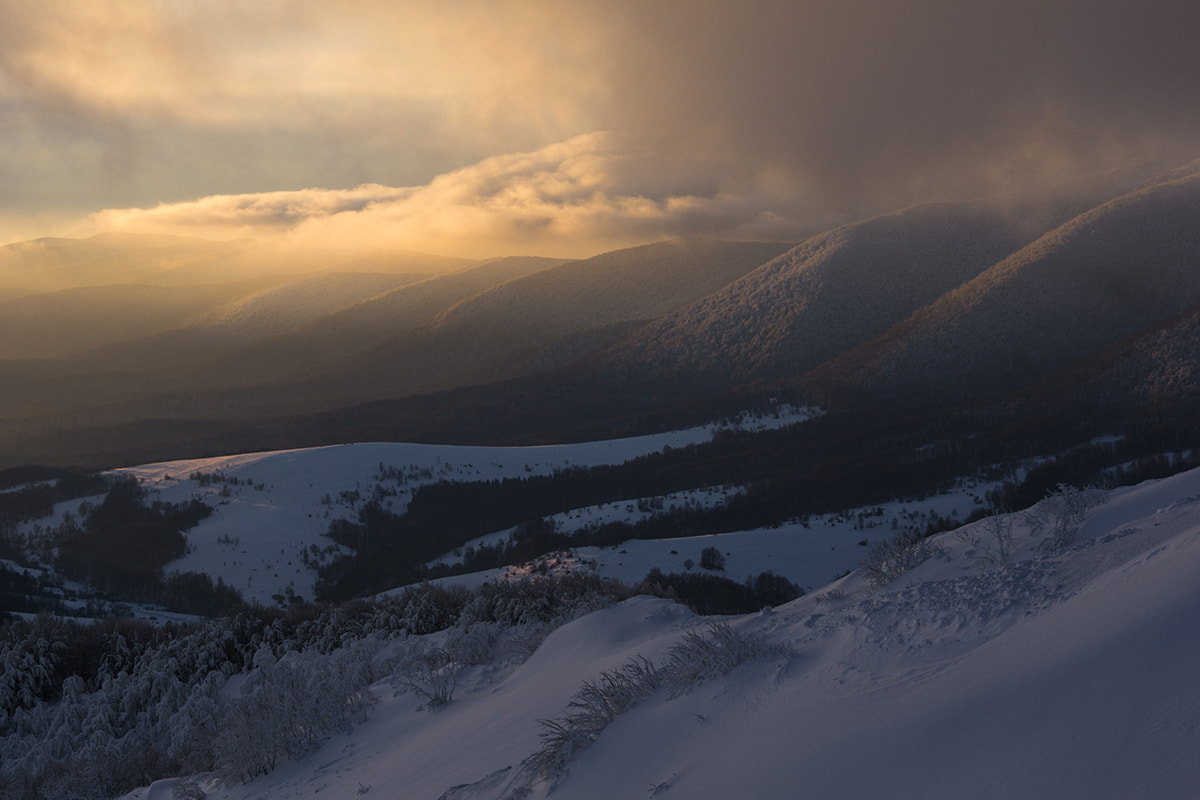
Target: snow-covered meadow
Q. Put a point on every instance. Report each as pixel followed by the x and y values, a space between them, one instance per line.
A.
pixel 271 509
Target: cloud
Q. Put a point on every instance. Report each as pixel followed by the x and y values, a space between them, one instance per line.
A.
pixel 104 105
pixel 810 111
pixel 570 199
pixel 269 212
pixel 869 103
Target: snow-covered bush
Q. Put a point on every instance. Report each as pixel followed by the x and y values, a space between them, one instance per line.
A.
pixel 26 667
pixel 287 706
pixel 430 607
pixel 698 656
pixel 92 711
pixel 1062 511
pixel 710 653
pixel 529 609
pixel 891 558
pixel 431 673
pixel 597 703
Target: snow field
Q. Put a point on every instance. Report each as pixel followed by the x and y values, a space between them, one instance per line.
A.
pixel 272 508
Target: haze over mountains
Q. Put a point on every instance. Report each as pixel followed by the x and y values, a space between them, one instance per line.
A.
pixel 930 305
pixel 825 295
pixel 1116 271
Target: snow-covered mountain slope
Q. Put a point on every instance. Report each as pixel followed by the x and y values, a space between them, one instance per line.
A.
pixel 1120 269
pixel 829 293
pixel 808 553
pixel 1061 665
pixel 1157 368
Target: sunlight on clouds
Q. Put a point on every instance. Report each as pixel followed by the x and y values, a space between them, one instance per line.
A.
pixel 563 200
pixel 741 117
pixel 488 67
pixel 90 54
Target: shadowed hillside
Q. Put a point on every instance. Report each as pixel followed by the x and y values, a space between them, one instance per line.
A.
pixel 345 334
pixel 1117 270
pixel 830 293
pixel 48 325
pixel 550 317
pixel 112 258
pixel 158 260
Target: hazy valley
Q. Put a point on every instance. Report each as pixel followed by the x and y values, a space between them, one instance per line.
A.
pixel 929 307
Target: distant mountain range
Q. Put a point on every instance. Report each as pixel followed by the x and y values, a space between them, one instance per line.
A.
pixel 1092 294
pixel 1117 271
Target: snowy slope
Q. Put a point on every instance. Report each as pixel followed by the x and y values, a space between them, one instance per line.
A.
pixel 809 553
pixel 272 507
pixel 1069 673
pixel 827 294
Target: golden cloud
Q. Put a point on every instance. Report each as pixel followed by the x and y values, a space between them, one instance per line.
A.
pixel 566 200
pixel 821 111
pixel 471 67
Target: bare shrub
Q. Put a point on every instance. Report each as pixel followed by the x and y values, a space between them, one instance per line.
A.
pixel 831 596
pixel 996 543
pixel 712 558
pixel 890 558
pixel 1063 511
pixel 597 703
pixel 698 656
pixel 432 673
pixel 187 789
pixel 707 654
pixel 474 643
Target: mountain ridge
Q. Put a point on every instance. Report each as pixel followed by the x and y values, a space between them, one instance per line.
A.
pixel 1110 273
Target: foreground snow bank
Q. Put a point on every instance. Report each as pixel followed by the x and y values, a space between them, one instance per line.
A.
pixel 1069 673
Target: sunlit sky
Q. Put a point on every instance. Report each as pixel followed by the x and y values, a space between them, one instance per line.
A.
pixel 488 127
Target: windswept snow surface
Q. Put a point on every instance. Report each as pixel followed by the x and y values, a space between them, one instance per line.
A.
pixel 1059 674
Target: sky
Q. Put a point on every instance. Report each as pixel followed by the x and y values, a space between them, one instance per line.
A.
pixel 494 127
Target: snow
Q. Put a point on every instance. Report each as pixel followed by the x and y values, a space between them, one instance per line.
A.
pixel 270 510
pixel 809 554
pixel 270 507
pixel 1069 673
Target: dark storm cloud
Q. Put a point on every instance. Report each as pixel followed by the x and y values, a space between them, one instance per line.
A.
pixel 866 101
